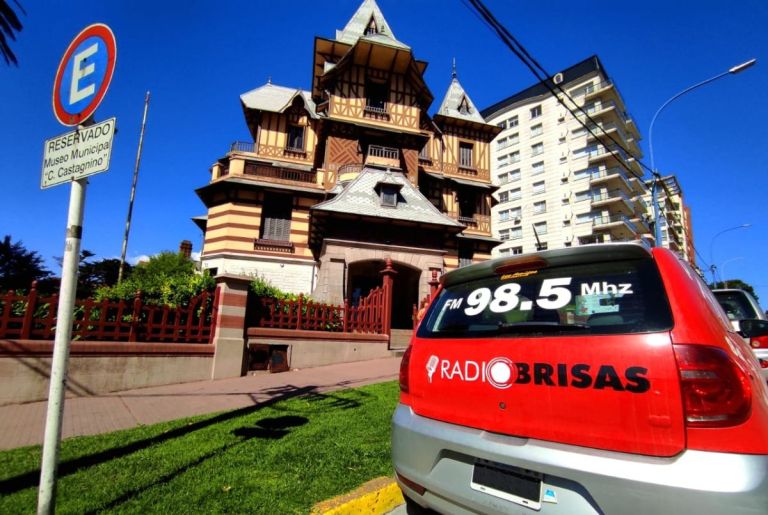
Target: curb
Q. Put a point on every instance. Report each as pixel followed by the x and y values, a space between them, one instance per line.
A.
pixel 379 495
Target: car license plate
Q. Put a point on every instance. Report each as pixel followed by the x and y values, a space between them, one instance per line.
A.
pixel 514 484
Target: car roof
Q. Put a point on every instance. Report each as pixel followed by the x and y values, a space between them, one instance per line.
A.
pixel 595 253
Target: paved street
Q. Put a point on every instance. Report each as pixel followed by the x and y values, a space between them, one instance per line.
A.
pixel 23 424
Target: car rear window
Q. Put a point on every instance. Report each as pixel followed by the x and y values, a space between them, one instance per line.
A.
pixel 736 305
pixel 596 298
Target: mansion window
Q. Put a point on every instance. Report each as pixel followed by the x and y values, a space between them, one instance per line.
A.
pixel 295 138
pixel 389 195
pixel 376 94
pixel 276 218
pixel 465 155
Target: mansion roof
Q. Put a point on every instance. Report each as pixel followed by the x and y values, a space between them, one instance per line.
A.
pixel 360 197
pixel 356 27
pixel 276 99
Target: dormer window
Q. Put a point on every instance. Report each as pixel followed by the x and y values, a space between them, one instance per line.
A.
pixel 371 28
pixel 389 195
pixel 464 106
pixel 389 190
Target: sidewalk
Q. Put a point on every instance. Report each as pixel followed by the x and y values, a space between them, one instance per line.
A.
pixel 24 424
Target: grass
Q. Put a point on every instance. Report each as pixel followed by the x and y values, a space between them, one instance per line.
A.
pixel 276 458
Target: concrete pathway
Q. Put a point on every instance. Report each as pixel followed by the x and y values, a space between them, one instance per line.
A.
pixel 24 424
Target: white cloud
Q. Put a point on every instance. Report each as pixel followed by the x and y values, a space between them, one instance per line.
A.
pixel 137 259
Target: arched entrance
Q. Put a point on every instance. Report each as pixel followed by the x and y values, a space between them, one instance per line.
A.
pixel 363 276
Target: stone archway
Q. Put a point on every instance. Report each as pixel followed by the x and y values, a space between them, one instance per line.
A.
pixel 363 276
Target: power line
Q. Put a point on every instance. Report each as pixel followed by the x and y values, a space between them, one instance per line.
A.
pixel 519 50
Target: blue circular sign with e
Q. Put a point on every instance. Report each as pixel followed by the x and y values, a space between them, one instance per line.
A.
pixel 84 74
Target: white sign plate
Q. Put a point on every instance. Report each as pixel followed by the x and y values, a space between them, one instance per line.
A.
pixel 77 154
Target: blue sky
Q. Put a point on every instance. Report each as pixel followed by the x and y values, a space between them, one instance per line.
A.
pixel 197 58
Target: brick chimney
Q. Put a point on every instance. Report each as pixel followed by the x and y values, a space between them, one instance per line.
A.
pixel 185 248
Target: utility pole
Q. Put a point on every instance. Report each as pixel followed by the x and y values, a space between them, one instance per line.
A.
pixel 133 190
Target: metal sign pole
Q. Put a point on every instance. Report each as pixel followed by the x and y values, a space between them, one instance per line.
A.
pixel 51 443
pixel 133 191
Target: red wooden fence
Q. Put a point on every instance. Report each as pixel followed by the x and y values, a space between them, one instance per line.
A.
pixel 33 317
pixel 372 315
pixel 305 314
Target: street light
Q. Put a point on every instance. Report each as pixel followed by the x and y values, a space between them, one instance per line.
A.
pixel 721 268
pixel 712 266
pixel 654 188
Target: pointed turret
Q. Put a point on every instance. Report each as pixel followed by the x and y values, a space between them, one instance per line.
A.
pixel 368 22
pixel 457 103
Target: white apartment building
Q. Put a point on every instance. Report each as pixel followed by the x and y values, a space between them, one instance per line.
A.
pixel 558 184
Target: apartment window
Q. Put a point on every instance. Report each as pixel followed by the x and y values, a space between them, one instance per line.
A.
pixel 502 160
pixel 585 218
pixel 514 157
pixel 504 234
pixel 583 195
pixel 539 207
pixel 503 252
pixel 535 112
pixel 465 154
pixel 502 125
pixel 580 131
pixel 504 196
pixel 514 175
pixel 538 188
pixel 512 122
pixel 515 194
pixel 566 223
pixel 276 218
pixel 537 149
pixel 516 250
pixel 543 246
pixel 515 233
pixel 376 94
pixel 504 215
pixel 537 130
pixel 503 178
pixel 515 213
pixel 584 174
pixel 537 168
pixel 295 138
pixel 541 228
pixel 514 139
pixel 502 143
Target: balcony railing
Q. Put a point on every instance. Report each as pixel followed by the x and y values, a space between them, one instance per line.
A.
pixel 611 195
pixel 279 173
pixel 598 86
pixel 602 221
pixel 599 176
pixel 383 152
pixel 243 146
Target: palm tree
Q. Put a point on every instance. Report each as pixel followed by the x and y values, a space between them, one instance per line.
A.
pixel 9 23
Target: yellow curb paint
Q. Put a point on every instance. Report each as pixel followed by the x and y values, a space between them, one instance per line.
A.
pixel 377 496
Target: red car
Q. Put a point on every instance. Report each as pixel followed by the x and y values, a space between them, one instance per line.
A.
pixel 595 379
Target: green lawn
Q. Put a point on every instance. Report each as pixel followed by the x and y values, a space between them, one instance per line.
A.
pixel 277 458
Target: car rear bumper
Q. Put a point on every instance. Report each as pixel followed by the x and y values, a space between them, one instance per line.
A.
pixel 440 457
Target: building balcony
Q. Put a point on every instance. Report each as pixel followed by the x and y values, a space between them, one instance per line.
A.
pixel 614 177
pixel 476 223
pixel 243 162
pixel 614 198
pixel 620 227
pixel 383 156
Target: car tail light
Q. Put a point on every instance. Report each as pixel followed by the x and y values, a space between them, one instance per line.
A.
pixel 413 485
pixel 763 362
pixel 716 391
pixel 404 375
